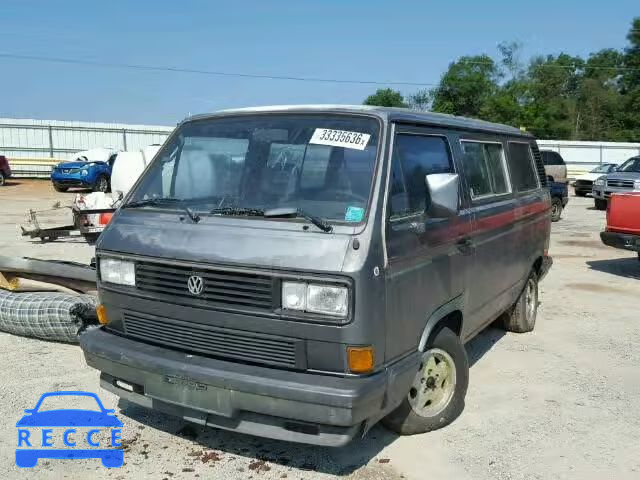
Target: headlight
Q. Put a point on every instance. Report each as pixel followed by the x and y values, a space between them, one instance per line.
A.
pixel 85 172
pixel 117 271
pixel 323 299
pixel 599 182
pixel 636 185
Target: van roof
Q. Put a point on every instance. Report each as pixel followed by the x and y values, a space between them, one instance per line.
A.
pixel 385 113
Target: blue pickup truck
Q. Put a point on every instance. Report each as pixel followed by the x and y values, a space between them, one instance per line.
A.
pixel 559 197
pixel 85 172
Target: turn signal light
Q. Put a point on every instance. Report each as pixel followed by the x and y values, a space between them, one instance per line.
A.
pixel 102 314
pixel 360 359
pixel 105 218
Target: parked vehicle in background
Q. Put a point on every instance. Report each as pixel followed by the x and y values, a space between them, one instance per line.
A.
pixel 583 184
pixel 284 272
pixel 559 197
pixel 5 170
pixel 623 222
pixel 554 165
pixel 626 178
pixel 90 170
pixel 129 166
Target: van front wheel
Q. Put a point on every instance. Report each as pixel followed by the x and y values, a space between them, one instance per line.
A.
pixel 436 396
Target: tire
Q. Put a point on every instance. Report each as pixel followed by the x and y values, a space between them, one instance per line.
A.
pixel 102 184
pixel 556 209
pixel 600 204
pixel 3 179
pixel 91 238
pixel 444 354
pixel 59 188
pixel 521 317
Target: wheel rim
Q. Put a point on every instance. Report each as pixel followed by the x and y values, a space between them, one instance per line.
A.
pixel 102 185
pixel 531 299
pixel 434 385
pixel 554 209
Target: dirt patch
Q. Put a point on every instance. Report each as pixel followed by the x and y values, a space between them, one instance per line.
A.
pixel 596 288
pixel 259 466
pixel 583 243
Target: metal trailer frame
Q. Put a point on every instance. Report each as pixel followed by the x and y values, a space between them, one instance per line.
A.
pixel 90 233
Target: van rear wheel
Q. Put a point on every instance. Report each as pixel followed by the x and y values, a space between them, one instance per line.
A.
pixel 436 396
pixel 556 209
pixel 521 317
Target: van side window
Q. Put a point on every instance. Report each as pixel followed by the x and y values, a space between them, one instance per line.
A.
pixel 551 158
pixel 414 157
pixel 484 169
pixel 523 173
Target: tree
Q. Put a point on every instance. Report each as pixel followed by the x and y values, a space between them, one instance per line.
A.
pixel 421 100
pixel 467 86
pixel 553 96
pixel 599 98
pixel 630 82
pixel 386 97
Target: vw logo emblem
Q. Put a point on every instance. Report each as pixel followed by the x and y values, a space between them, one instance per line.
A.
pixel 195 284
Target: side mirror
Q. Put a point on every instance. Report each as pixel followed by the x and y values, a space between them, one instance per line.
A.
pixel 443 192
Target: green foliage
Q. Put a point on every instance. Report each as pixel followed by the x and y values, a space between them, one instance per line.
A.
pixel 553 96
pixel 386 97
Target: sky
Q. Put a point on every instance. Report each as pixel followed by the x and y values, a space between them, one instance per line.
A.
pixel 372 40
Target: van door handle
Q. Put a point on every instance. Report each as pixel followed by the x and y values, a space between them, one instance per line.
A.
pixel 464 246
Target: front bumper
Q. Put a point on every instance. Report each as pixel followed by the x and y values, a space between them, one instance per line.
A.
pixel 268 402
pixel 625 241
pixel 604 193
pixel 583 186
pixel 71 182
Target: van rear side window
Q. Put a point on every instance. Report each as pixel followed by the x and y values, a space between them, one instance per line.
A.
pixel 523 172
pixel 484 169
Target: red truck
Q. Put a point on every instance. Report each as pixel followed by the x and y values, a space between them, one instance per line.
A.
pixel 623 222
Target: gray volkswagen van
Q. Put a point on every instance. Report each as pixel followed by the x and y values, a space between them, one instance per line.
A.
pixel 303 272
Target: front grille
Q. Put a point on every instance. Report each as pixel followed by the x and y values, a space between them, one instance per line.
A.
pixel 216 342
pixel 583 183
pixel 221 288
pixel 620 183
pixel 537 156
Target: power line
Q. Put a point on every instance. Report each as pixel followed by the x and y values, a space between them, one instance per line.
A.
pixel 159 68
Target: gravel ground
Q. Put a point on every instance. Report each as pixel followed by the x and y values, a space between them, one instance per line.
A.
pixel 558 403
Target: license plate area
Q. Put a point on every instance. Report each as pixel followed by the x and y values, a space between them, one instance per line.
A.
pixel 186 392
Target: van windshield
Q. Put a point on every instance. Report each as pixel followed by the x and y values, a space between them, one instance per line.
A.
pixel 320 164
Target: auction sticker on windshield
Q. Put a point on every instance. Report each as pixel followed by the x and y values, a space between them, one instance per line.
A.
pixel 340 138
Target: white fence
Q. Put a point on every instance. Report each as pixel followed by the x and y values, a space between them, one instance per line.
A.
pixel 34 146
pixel 584 156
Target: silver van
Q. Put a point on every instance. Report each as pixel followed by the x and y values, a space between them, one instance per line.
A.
pixel 303 272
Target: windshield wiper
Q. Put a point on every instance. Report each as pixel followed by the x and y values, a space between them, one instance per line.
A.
pixel 231 211
pixel 296 212
pixel 159 202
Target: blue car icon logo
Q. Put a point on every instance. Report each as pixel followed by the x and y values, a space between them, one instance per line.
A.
pixel 47 431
